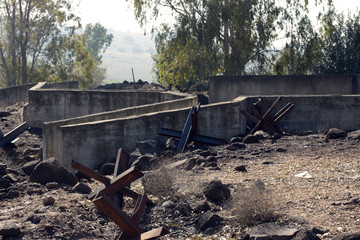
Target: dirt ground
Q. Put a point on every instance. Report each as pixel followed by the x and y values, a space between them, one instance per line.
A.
pixel 328 196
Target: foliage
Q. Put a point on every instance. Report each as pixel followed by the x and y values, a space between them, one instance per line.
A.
pixel 97 40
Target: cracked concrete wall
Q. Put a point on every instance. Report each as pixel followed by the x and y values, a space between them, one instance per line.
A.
pixel 51 104
pixel 51 130
pixel 94 143
pixel 12 95
pixel 226 88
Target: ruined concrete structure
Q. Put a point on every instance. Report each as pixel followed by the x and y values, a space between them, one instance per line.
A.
pixel 89 126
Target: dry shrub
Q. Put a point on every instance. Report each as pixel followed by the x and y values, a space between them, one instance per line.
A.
pixel 159 183
pixel 253 205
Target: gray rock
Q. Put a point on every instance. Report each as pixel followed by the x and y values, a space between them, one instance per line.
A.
pixel 202 207
pixel 8 231
pixel 143 162
pixel 211 159
pixel 236 139
pixel 12 194
pixel 35 219
pixel 271 231
pixel 2 195
pixel 305 234
pixel 216 192
pixel 50 171
pixel 107 169
pixel 82 188
pixel 347 236
pixel 48 201
pixel 335 133
pixel 241 168
pixel 168 204
pixel 190 164
pixel 4 183
pixel 261 134
pixel 279 149
pixel 207 220
pixel 207 153
pixel 171 144
pixel 149 146
pixel 319 230
pixel 52 185
pixel 2 169
pixel 354 135
pixel 235 146
pixel 182 209
pixel 251 139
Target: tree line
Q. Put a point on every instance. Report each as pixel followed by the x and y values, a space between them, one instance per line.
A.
pixel 239 37
pixel 42 40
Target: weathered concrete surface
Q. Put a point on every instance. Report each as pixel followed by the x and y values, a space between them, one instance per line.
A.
pixel 51 105
pixel 226 88
pixel 316 113
pixel 94 143
pixel 12 95
pixel 51 130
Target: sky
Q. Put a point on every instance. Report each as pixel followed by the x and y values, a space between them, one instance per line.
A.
pixel 118 15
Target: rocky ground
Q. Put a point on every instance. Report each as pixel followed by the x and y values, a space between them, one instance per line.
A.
pixel 303 180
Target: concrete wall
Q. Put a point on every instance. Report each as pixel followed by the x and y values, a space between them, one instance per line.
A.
pixel 316 113
pixel 223 88
pixel 12 95
pixel 94 143
pixel 62 85
pixel 51 130
pixel 51 105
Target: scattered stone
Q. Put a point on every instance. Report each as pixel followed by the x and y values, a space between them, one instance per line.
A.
pixel 235 146
pixel 9 231
pixel 12 194
pixel 202 207
pixel 279 149
pixel 335 133
pixel 216 192
pixel 182 209
pixel 48 201
pixel 319 230
pixel 35 219
pixel 29 167
pixel 207 153
pixel 354 135
pixel 211 159
pixel 11 177
pixel 207 220
pixel 4 183
pixel 190 164
pixel 143 162
pixel 50 171
pixel 107 169
pixel 276 136
pixel 347 236
pixel 2 195
pixel 168 204
pixel 2 169
pixel 4 113
pixel 148 147
pixel 236 139
pixel 32 191
pixel 261 134
pixel 303 175
pixel 271 231
pixel 250 139
pixel 171 144
pixel 241 168
pixel 52 185
pixel 305 234
pixel 268 163
pixel 82 188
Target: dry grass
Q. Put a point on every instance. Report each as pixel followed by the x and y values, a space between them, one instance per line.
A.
pixel 159 183
pixel 253 205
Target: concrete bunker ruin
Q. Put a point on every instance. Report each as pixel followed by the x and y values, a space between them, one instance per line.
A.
pixel 90 126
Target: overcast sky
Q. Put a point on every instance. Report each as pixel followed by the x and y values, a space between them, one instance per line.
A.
pixel 117 14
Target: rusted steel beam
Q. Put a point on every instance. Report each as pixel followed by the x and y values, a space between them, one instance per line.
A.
pixel 110 209
pixel 90 173
pixel 281 115
pixel 268 125
pixel 184 138
pixel 122 162
pixel 13 134
pixel 139 209
pixel 123 180
pixel 196 138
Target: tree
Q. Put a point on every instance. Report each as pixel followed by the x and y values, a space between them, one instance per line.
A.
pixel 237 35
pixel 27 27
pixel 97 40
